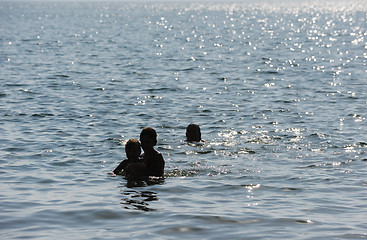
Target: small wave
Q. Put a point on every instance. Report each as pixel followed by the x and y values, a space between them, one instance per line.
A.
pixel 15 85
pixel 329 164
pixel 268 72
pixel 15 149
pixel 163 89
pixel 107 214
pixel 351 236
pixel 290 189
pixel 47 181
pixel 291 220
pixel 182 229
pixel 63 163
pixel 58 76
pixel 42 115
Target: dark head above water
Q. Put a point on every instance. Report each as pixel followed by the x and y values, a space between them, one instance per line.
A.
pixel 148 138
pixel 132 149
pixel 193 133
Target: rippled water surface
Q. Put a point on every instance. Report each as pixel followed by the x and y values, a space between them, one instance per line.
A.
pixel 278 88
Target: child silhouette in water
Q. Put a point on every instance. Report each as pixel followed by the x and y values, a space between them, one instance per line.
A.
pixel 193 133
pixel 133 166
pixel 153 159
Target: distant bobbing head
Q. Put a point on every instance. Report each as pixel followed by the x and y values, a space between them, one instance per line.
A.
pixel 132 149
pixel 193 133
pixel 148 138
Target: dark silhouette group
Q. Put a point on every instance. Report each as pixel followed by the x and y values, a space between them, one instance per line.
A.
pixel 151 162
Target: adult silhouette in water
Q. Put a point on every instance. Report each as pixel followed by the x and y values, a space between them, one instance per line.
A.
pixel 153 159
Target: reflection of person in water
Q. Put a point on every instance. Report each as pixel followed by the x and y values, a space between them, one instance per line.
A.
pixel 138 200
pixel 153 159
pixel 193 133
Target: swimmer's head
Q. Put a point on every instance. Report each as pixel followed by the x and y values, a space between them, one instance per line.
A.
pixel 193 133
pixel 132 149
pixel 148 138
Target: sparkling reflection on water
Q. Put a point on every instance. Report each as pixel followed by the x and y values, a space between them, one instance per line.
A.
pixel 277 88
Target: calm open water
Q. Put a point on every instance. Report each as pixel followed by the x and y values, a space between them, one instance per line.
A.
pixel 278 88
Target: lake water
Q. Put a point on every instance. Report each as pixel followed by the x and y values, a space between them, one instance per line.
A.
pixel 278 88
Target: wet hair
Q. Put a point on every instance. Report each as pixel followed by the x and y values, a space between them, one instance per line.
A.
pixel 148 131
pixel 131 143
pixel 193 132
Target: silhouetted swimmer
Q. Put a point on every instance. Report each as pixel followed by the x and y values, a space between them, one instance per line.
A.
pixel 153 159
pixel 193 133
pixel 133 166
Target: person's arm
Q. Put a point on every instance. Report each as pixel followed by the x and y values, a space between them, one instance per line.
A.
pixel 120 167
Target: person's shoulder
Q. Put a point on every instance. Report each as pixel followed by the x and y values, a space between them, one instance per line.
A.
pixel 121 166
pixel 156 152
pixel 160 156
pixel 125 162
